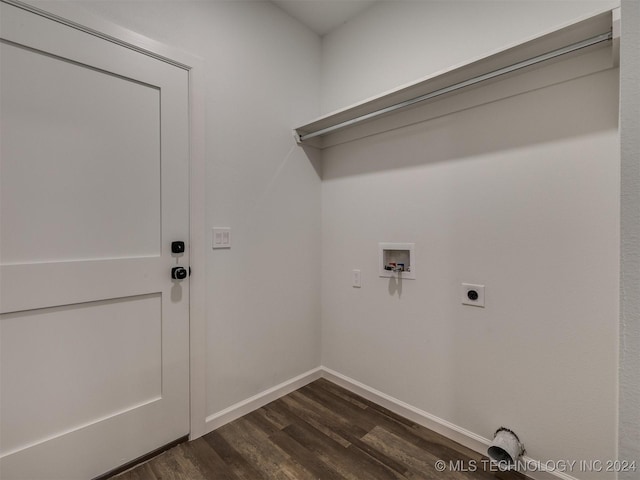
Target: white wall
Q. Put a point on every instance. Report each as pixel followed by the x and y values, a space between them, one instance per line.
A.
pixel 521 195
pixel 397 42
pixel 629 413
pixel 261 71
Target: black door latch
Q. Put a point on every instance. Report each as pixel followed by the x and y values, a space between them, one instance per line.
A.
pixel 179 273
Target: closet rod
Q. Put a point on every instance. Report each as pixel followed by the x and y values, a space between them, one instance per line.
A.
pixel 466 83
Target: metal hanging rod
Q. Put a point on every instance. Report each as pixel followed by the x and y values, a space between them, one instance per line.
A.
pixel 466 83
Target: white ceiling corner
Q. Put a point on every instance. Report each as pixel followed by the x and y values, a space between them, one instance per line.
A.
pixel 322 16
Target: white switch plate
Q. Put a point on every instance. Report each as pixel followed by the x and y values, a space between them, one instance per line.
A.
pixel 468 298
pixel 221 237
pixel 356 279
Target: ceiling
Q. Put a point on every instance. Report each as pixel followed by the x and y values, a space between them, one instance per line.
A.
pixel 322 16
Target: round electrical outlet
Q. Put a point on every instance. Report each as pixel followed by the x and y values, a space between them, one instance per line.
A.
pixel 472 295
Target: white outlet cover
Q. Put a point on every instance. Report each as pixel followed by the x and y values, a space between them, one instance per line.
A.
pixel 356 281
pixel 479 289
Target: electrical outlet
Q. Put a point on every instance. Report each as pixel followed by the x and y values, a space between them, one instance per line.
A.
pixel 473 295
pixel 356 279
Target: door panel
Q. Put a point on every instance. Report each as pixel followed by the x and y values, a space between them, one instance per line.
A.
pixel 93 190
pixel 76 114
pixel 86 368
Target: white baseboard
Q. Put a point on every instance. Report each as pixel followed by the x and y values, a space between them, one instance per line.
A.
pixel 453 432
pixel 261 399
pixel 449 430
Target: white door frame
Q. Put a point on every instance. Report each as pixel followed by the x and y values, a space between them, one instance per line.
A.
pixel 82 20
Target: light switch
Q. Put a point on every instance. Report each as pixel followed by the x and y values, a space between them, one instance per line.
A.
pixel 221 237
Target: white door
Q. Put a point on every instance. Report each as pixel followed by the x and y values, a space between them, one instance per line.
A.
pixel 93 191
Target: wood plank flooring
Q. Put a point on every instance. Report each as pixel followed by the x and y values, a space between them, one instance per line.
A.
pixel 319 432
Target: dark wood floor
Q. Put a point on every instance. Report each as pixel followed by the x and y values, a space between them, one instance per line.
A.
pixel 319 432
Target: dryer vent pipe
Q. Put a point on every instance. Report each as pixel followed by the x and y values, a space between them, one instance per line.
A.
pixel 505 448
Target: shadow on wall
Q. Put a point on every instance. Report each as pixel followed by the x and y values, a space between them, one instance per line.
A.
pixel 573 108
pixel 395 286
pixel 315 158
